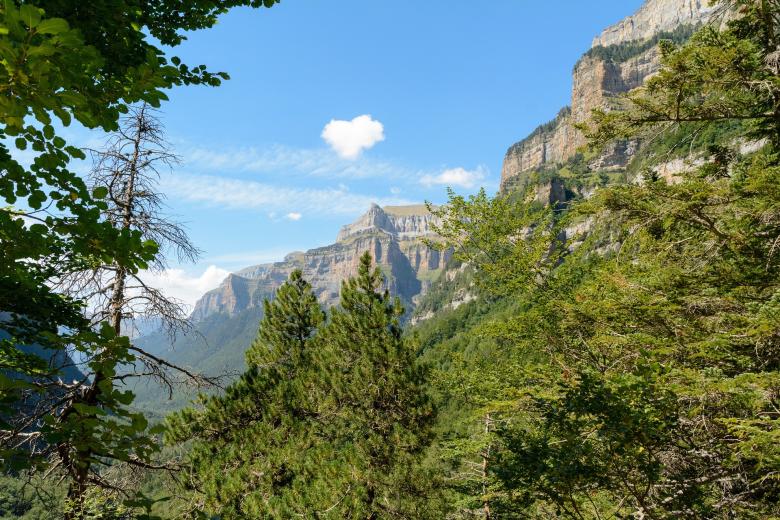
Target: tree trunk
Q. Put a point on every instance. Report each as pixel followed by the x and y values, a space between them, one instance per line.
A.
pixel 485 458
pixel 78 487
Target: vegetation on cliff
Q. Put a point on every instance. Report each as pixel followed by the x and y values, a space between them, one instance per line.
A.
pixel 622 52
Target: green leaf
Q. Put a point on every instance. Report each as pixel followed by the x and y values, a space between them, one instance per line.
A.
pixel 52 26
pixel 101 192
pixel 31 15
pixel 21 143
pixel 36 199
pixel 39 229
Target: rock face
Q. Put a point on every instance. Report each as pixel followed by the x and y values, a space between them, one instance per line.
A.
pixel 394 237
pixel 653 17
pixel 595 81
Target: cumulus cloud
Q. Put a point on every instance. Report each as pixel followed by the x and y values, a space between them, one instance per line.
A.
pixel 185 287
pixel 349 138
pixel 455 177
pixel 294 216
pixel 243 194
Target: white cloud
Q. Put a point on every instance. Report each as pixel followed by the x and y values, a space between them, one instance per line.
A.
pixel 187 288
pixel 242 194
pixel 294 216
pixel 456 177
pixel 350 138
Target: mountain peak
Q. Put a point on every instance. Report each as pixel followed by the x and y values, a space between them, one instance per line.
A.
pixel 401 222
pixel 391 234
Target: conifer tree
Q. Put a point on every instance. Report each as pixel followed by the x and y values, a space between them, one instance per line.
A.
pixel 383 414
pixel 254 446
pixel 330 420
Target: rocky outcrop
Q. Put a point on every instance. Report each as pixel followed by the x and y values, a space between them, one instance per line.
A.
pixel 598 78
pixel 653 17
pixel 402 222
pixel 552 142
pixel 394 237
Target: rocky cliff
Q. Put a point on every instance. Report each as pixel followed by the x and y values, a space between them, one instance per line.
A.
pixel 653 17
pixel 394 237
pixel 621 59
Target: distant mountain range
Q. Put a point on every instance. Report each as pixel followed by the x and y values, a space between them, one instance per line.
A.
pixel 393 235
pixel 226 318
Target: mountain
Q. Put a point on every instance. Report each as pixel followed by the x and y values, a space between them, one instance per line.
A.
pixel 226 318
pixel 393 235
pixel 621 58
pixel 653 17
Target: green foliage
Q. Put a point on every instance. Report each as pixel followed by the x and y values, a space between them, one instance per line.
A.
pixel 507 237
pixel 636 374
pixel 329 420
pixel 62 61
pixel 261 426
pixel 383 416
pixel 622 52
pixel 26 498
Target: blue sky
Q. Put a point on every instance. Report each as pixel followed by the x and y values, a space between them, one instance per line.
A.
pixel 275 159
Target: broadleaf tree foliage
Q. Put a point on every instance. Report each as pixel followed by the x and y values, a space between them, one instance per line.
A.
pixel 64 61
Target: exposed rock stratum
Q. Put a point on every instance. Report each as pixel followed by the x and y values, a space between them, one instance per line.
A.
pixel 393 235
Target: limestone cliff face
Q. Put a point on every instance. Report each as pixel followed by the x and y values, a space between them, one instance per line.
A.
pixel 402 222
pixel 653 17
pixel 244 289
pixel 595 81
pixel 393 235
pixel 550 143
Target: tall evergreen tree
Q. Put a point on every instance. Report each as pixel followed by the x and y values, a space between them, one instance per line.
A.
pixel 383 414
pixel 255 446
pixel 330 420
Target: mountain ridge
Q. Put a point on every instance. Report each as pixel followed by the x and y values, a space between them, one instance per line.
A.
pixel 598 77
pixel 394 235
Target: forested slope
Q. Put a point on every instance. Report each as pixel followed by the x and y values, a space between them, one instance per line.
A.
pixel 621 358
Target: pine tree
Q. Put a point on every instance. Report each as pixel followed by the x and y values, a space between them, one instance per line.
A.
pixel 329 421
pixel 383 414
pixel 255 446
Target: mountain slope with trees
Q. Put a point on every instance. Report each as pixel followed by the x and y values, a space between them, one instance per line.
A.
pixel 606 343
pixel 632 371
